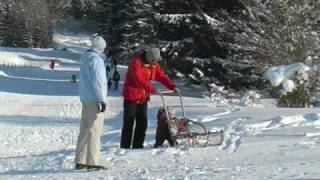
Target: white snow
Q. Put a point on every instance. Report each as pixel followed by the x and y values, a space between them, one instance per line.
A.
pixel 210 20
pixel 250 99
pixel 198 72
pixel 167 44
pixel 311 119
pixel 3 74
pixel 309 61
pixel 12 59
pixel 175 18
pixel 277 74
pixel 312 134
pixel 216 87
pixel 39 124
pixel 288 85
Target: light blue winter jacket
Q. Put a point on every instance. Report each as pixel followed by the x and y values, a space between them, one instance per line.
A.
pixel 93 81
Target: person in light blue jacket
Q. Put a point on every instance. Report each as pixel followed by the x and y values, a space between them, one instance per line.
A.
pixel 93 97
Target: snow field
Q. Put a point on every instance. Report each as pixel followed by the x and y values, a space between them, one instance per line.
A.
pixel 39 123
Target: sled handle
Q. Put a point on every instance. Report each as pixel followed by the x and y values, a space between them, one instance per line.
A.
pixel 169 92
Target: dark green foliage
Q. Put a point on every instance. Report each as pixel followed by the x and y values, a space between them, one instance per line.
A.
pixel 232 42
pixel 29 23
pixel 198 38
pixel 124 25
pixel 307 86
pixel 82 9
pixel 298 98
pixel 2 18
pixel 103 15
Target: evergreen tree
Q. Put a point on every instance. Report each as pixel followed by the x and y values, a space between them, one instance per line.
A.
pixel 11 26
pixel 2 18
pixel 190 33
pixel 76 9
pixel 231 42
pixel 125 26
pixel 82 8
pixel 30 23
pixel 103 15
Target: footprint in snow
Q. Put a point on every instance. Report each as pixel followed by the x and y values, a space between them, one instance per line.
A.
pixel 231 144
pixel 156 151
pixel 235 143
pixel 226 143
pixel 121 152
pixel 174 152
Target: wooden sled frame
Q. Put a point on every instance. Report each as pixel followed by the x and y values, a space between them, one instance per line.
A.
pixel 185 133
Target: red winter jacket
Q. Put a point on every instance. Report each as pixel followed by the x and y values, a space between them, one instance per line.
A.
pixel 137 85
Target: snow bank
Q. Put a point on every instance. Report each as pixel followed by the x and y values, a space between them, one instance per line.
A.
pixel 3 74
pixel 7 58
pixel 278 74
pixel 79 39
pixel 285 121
pixel 250 99
pixel 312 134
pixel 288 85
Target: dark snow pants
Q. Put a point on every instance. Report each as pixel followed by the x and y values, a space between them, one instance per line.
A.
pixel 134 113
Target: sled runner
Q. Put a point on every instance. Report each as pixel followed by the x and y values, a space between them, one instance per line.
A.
pixel 187 132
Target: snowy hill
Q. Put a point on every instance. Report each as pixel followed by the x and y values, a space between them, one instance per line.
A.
pixel 39 124
pixel 12 59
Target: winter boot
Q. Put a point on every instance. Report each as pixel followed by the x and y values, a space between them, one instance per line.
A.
pixel 80 166
pixel 96 167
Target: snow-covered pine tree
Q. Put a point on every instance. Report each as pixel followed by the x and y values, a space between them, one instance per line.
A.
pixel 80 9
pixel 103 15
pixel 232 42
pixel 278 32
pixel 172 22
pixel 15 33
pixel 127 28
pixel 38 23
pixel 2 18
pixel 30 23
pixel 194 32
pixel 76 8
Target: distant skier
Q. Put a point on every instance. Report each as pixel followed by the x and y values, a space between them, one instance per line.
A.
pixel 108 70
pixel 116 79
pixel 115 63
pixel 73 78
pixel 52 63
pixel 109 84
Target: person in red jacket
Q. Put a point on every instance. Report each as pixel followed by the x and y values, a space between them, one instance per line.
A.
pixel 142 69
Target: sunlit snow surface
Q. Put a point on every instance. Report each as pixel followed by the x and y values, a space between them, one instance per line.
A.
pixel 39 124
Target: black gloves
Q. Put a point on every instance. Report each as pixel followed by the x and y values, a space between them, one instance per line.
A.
pixel 102 106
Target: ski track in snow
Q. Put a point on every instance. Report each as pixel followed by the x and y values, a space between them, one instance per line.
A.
pixel 216 116
pixel 233 135
pixel 237 129
pixel 311 119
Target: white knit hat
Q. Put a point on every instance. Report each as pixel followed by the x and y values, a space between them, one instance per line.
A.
pixel 153 54
pixel 98 43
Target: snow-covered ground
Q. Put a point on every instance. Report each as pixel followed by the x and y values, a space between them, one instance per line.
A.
pixel 39 123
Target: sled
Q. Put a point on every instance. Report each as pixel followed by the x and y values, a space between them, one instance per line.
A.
pixel 185 131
